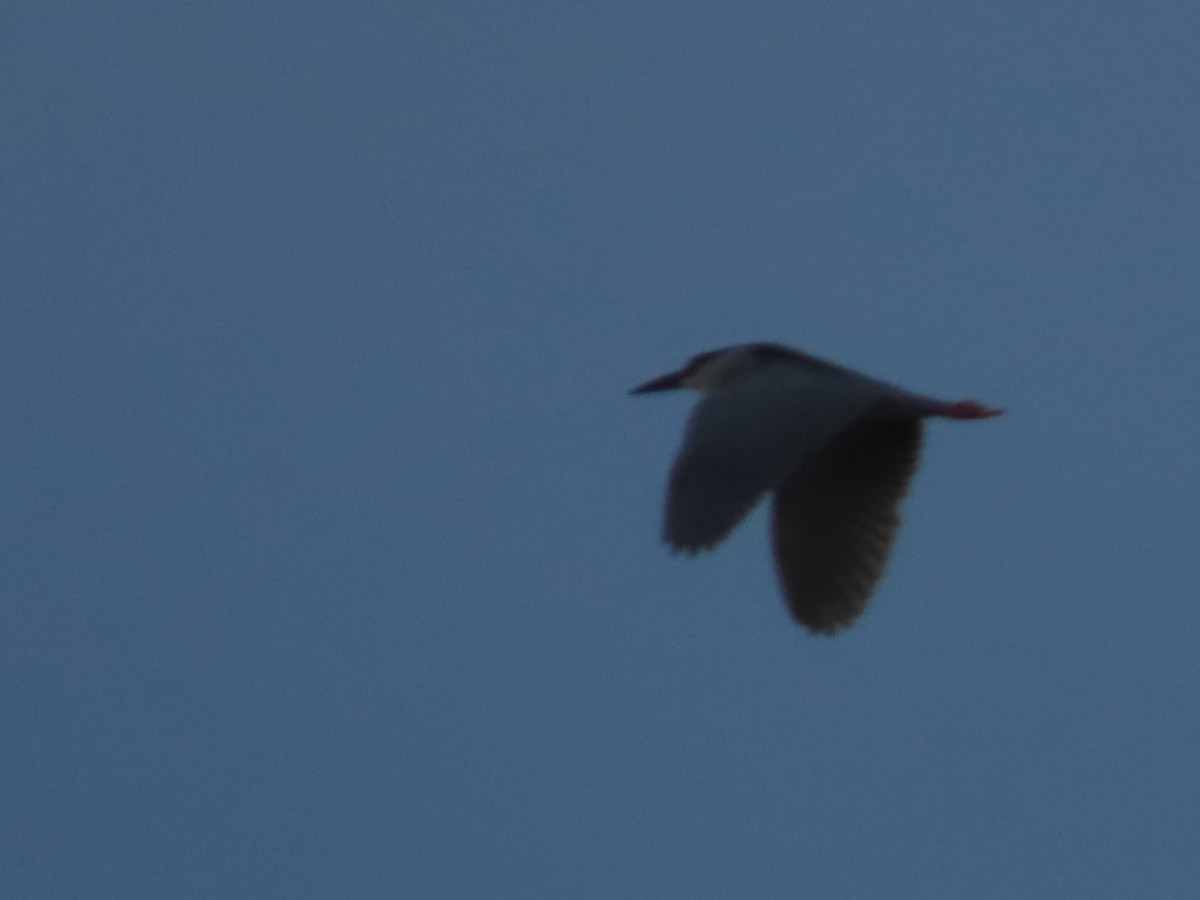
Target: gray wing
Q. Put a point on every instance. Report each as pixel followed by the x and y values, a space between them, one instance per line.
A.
pixel 745 440
pixel 834 520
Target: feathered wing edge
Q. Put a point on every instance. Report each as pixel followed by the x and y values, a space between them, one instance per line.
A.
pixel 834 520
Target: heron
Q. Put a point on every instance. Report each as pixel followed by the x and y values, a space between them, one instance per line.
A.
pixel 836 448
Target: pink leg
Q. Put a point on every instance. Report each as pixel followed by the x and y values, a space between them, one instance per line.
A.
pixel 968 409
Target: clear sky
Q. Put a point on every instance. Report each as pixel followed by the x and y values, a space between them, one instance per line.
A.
pixel 330 557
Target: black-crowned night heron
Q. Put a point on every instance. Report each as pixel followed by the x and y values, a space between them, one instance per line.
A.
pixel 837 448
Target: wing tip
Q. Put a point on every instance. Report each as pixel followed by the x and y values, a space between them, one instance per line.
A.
pixel 686 547
pixel 822 621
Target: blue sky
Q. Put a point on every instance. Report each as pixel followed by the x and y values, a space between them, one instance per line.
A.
pixel 331 559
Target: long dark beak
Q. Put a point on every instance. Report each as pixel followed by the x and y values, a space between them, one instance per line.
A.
pixel 662 383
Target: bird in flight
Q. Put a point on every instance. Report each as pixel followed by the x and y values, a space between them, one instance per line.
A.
pixel 835 447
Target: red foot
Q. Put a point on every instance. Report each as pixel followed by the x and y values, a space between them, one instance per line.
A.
pixel 969 409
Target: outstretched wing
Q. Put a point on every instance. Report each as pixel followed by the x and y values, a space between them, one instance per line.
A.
pixel 835 518
pixel 747 439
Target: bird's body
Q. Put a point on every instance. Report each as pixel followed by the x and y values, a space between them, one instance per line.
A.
pixel 836 447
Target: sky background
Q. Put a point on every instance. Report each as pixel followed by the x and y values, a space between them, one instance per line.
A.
pixel 330 557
